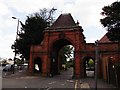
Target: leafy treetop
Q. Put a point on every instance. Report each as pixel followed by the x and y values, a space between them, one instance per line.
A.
pixel 111 20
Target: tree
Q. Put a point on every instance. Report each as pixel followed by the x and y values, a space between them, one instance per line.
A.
pixel 32 32
pixel 111 20
pixel 65 53
pixel 91 63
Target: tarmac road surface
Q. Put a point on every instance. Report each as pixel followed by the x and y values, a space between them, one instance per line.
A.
pixel 62 81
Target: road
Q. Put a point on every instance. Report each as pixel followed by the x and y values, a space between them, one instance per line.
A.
pixel 63 81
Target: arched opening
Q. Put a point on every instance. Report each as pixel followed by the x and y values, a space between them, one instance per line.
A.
pixel 38 65
pixel 60 61
pixel 89 66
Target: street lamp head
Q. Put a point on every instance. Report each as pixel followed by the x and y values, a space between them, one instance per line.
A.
pixel 14 17
pixel 96 42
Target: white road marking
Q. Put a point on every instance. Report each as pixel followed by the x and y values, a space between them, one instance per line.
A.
pixel 48 88
pixel 63 84
pixel 84 85
pixel 25 86
pixel 76 84
pixel 27 77
pixel 52 82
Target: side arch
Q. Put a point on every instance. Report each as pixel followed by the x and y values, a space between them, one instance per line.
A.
pixel 88 63
pixel 37 65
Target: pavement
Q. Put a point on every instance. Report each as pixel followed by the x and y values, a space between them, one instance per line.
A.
pixel 83 83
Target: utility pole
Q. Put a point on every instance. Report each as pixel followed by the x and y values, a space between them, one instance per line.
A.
pixel 15 45
pixel 96 63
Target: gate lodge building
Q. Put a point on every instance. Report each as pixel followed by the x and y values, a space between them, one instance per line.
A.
pixel 65 31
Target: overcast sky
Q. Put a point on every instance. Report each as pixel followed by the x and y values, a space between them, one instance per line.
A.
pixel 87 12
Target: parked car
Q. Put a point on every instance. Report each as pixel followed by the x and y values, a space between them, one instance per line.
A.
pixel 8 67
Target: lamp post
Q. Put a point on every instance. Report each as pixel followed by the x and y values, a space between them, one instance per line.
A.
pixel 15 42
pixel 96 63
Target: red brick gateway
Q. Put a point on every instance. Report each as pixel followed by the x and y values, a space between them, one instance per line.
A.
pixel 65 31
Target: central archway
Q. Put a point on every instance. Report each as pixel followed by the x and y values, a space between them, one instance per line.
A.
pixel 54 55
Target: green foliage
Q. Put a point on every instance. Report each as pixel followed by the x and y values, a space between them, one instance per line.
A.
pixel 111 20
pixel 65 53
pixel 90 63
pixel 32 32
pixel 70 63
pixel 18 61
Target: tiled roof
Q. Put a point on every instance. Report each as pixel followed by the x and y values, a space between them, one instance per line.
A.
pixel 64 20
pixel 104 39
